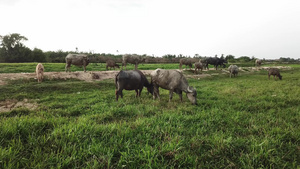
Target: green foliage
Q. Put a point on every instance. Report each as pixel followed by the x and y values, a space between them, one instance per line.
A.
pixel 38 55
pixel 244 59
pixel 12 48
pixel 243 122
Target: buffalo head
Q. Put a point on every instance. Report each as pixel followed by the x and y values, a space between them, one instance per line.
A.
pixel 192 95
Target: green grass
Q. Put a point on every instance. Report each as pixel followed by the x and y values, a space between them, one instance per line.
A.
pixel 60 67
pixel 243 122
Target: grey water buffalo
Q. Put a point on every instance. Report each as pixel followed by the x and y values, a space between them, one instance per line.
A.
pixel 233 69
pixel 258 62
pixel 77 60
pixel 111 64
pixel 198 66
pixel 174 81
pixel 275 72
pixel 215 61
pixel 186 62
pixel 39 70
pixel 133 59
pixel 131 80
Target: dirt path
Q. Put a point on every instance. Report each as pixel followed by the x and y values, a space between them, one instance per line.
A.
pixel 88 76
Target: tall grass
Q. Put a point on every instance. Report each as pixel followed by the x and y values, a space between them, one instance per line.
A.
pixel 243 122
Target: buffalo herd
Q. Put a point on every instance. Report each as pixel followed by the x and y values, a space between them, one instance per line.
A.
pixel 172 80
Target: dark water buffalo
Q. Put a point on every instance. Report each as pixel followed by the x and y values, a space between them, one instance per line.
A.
pixel 186 62
pixel 133 59
pixel 131 80
pixel 215 61
pixel 274 72
pixel 174 81
pixel 77 60
pixel 112 64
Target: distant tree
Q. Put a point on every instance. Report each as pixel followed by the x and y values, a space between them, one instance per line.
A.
pixel 12 48
pixel 169 56
pixel 229 57
pixel 244 59
pixel 38 55
pixel 56 57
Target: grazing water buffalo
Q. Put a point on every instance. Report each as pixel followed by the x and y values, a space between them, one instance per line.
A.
pixel 131 80
pixel 77 60
pixel 133 59
pixel 39 70
pixel 112 64
pixel 233 69
pixel 258 62
pixel 274 72
pixel 198 65
pixel 215 61
pixel 186 62
pixel 174 81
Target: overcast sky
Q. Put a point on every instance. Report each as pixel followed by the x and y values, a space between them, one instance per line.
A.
pixel 261 28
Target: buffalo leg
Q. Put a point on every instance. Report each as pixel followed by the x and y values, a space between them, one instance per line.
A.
pixel 156 92
pixel 117 95
pixel 67 67
pixel 180 95
pixel 137 92
pixel 170 95
pixel 140 91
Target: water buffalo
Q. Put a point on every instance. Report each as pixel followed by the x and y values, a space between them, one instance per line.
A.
pixel 131 80
pixel 215 61
pixel 258 62
pixel 112 64
pixel 133 59
pixel 39 70
pixel 198 66
pixel 77 60
pixel 274 72
pixel 174 81
pixel 186 62
pixel 233 69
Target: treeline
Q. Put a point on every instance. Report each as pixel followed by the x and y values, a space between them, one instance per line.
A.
pixel 12 50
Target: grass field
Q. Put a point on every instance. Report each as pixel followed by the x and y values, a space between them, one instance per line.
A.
pixel 243 122
pixel 60 67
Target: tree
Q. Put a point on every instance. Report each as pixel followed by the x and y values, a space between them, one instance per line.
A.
pixel 229 57
pixel 244 59
pixel 37 55
pixel 13 49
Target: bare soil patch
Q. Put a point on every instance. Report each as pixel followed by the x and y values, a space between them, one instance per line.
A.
pixel 11 104
pixel 88 76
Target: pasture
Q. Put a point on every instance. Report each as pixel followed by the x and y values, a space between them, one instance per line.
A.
pixel 243 122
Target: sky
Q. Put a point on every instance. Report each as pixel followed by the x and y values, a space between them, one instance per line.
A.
pixel 267 29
